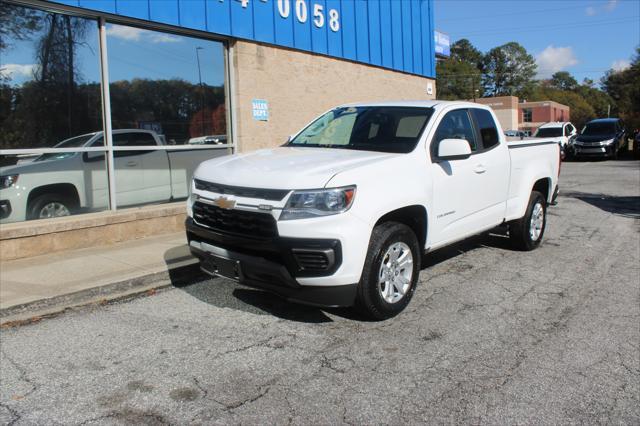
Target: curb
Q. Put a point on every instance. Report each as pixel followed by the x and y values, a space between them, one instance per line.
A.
pixel 29 312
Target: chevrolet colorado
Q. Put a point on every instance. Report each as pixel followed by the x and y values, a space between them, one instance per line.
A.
pixel 64 183
pixel 343 212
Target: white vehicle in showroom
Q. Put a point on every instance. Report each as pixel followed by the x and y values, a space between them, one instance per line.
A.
pixel 60 184
pixel 343 212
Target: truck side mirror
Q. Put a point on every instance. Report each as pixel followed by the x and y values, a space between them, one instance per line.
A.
pixel 453 149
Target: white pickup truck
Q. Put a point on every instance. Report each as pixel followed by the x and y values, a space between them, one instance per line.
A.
pixel 343 212
pixel 59 184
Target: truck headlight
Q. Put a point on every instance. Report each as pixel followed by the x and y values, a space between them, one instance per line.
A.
pixel 318 202
pixel 8 181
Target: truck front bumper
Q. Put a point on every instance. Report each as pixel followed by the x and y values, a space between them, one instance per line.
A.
pixel 274 265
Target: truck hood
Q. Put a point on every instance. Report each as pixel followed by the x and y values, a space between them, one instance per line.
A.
pixel 285 167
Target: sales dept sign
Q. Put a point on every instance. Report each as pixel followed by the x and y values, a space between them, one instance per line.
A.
pixel 260 109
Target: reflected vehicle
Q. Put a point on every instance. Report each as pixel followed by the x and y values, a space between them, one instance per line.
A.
pixel 64 183
pixel 208 140
pixel 515 134
pixel 603 138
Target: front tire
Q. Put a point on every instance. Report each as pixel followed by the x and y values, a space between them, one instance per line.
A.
pixel 50 205
pixel 526 233
pixel 390 272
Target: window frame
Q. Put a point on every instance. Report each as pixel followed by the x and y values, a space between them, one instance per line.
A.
pixel 477 125
pixel 433 144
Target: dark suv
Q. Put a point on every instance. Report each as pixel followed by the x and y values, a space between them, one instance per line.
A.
pixel 603 137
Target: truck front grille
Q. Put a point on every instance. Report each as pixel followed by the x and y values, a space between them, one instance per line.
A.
pixel 235 222
pixel 240 191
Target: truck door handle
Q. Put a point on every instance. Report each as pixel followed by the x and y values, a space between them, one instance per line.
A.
pixel 131 163
pixel 479 169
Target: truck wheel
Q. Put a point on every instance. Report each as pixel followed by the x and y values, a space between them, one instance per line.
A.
pixel 50 205
pixel 390 271
pixel 526 233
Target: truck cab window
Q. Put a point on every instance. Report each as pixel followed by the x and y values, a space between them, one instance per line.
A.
pixel 455 125
pixel 487 127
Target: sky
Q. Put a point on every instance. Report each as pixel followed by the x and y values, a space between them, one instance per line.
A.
pixel 584 37
pixel 132 53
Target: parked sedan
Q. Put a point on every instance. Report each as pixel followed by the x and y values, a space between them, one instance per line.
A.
pixel 603 137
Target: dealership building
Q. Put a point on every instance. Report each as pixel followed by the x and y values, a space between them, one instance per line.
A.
pixel 525 116
pixel 107 106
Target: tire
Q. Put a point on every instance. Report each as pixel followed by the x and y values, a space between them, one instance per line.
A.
pixel 380 300
pixel 50 205
pixel 521 231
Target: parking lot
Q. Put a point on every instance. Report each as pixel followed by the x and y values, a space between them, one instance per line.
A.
pixel 492 336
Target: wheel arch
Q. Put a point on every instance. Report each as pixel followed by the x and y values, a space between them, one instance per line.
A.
pixel 67 189
pixel 414 216
pixel 543 186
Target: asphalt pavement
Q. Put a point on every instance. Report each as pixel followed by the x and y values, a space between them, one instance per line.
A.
pixel 492 336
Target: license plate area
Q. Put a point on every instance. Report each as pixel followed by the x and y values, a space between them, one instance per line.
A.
pixel 221 266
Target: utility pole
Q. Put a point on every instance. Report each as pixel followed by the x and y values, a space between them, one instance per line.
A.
pixel 608 110
pixel 198 49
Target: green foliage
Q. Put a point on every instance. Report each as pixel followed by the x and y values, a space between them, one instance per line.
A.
pixel 624 88
pixel 508 70
pixel 464 51
pixel 563 80
pixel 457 80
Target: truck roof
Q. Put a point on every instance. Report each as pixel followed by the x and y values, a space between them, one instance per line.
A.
pixel 417 103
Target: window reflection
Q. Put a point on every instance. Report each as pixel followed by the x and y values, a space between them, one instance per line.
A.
pixel 170 84
pixel 49 77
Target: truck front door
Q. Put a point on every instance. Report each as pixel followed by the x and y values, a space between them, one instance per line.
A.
pixel 469 194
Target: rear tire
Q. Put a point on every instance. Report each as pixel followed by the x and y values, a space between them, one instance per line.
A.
pixel 390 271
pixel 526 233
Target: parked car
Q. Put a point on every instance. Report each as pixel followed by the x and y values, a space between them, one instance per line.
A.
pixel 208 140
pixel 515 134
pixel 604 138
pixel 564 131
pixel 61 184
pixel 342 213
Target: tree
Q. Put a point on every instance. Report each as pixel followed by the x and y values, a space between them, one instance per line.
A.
pixel 508 70
pixel 459 76
pixel 464 51
pixel 17 23
pixel 563 80
pixel 457 80
pixel 624 88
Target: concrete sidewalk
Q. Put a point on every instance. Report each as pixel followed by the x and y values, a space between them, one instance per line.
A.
pixel 47 284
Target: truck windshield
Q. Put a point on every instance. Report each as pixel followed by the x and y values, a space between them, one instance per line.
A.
pixel 599 129
pixel 368 128
pixel 549 132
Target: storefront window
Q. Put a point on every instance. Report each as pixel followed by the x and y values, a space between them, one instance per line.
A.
pixel 49 77
pixel 50 99
pixel 170 84
pixel 168 114
pixel 165 89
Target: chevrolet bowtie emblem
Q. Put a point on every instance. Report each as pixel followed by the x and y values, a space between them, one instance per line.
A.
pixel 224 203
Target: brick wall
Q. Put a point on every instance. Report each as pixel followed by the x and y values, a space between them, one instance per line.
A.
pixel 299 86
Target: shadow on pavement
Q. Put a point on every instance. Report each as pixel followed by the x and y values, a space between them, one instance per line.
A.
pixel 224 293
pixel 625 206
